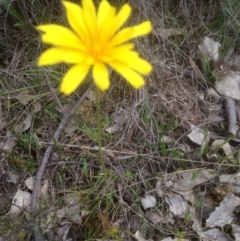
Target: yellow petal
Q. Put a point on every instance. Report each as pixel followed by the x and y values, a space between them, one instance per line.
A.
pixel 140 65
pixel 76 20
pixel 121 18
pixel 60 36
pixel 101 76
pixel 130 75
pixel 131 32
pixel 103 11
pixel 90 17
pixel 109 54
pixel 58 55
pixel 142 29
pixel 122 37
pixel 73 78
pixel 133 61
pixel 122 49
pixel 105 20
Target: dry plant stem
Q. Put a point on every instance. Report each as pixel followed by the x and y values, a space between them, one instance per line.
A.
pixel 232 115
pixel 47 153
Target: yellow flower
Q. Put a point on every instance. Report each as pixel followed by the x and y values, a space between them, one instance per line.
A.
pixel 95 40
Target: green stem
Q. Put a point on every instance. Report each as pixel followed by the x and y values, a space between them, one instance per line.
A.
pixel 100 133
pixel 105 172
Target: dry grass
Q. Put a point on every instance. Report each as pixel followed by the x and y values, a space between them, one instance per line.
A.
pixel 136 154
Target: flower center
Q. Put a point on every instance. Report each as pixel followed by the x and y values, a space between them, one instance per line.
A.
pixel 95 53
pixel 96 50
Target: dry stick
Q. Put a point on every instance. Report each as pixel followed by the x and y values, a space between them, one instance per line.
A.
pixel 232 115
pixel 47 153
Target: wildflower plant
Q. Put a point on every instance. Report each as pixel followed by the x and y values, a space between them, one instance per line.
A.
pixel 96 40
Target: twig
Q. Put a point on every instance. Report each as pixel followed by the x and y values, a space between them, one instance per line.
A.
pixel 47 153
pixel 232 115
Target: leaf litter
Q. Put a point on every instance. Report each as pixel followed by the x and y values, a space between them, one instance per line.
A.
pixel 227 79
pixel 180 192
pixel 21 201
pixel 224 213
pixel 148 201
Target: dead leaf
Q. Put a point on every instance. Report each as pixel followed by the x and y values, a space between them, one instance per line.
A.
pixel 92 96
pixel 229 84
pixel 198 136
pixel 12 177
pixel 166 139
pixel 66 108
pixel 120 118
pixel 214 116
pixel 166 33
pixel 113 129
pixel 148 201
pixel 209 49
pixel 196 222
pixel 24 97
pixel 157 217
pixel 233 179
pixel 36 106
pixel 25 125
pixel 236 231
pixel 85 107
pixel 63 231
pixel 29 182
pixel 178 206
pixel 8 143
pixel 71 213
pixel 21 200
pixel 189 179
pixel 138 236
pixel 224 213
pixel 214 235
pixel 183 183
pixel 222 144
pixel 44 188
pixel 71 127
pixel 213 95
pixel 184 147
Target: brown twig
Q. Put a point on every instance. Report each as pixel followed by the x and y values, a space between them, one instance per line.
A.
pixel 47 153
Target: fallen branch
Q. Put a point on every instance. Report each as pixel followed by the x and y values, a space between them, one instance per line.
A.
pixel 37 183
pixel 231 115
